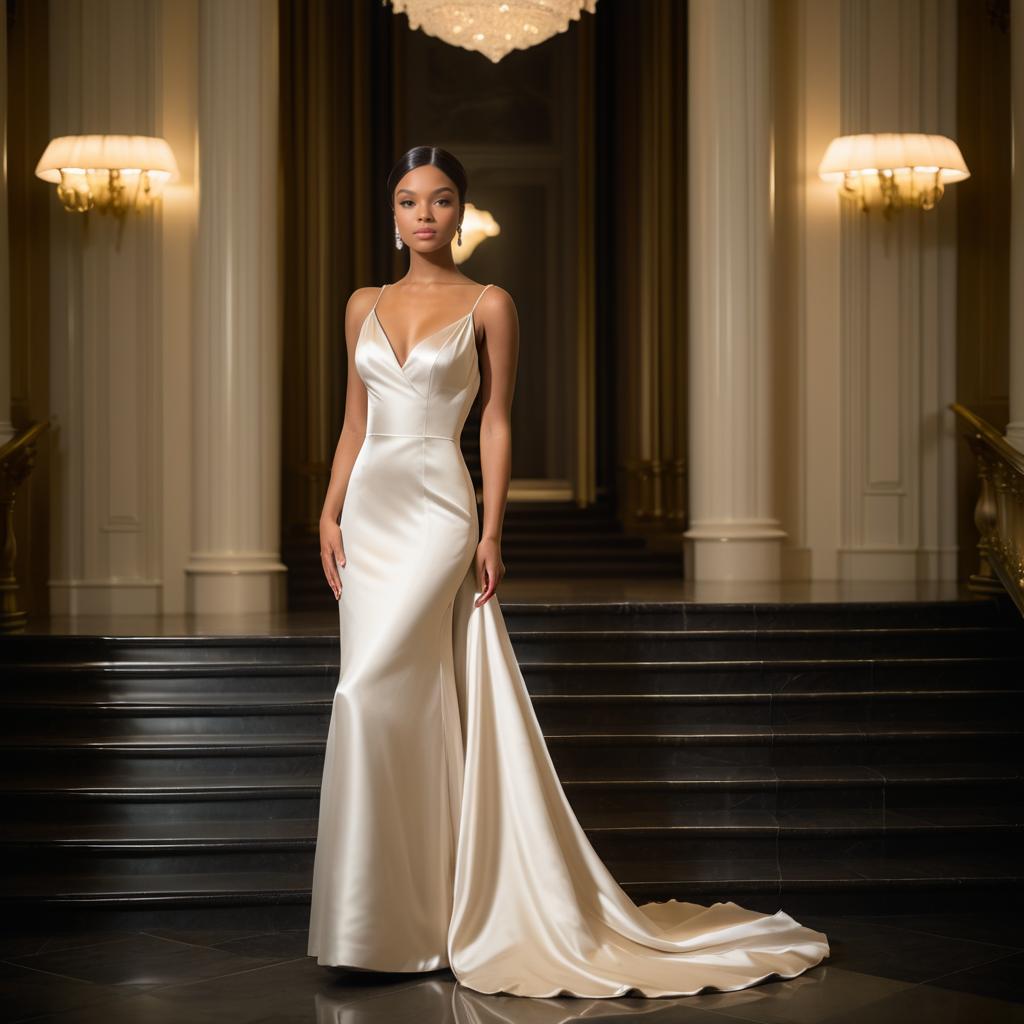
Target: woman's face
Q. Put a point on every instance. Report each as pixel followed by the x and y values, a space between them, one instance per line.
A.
pixel 426 205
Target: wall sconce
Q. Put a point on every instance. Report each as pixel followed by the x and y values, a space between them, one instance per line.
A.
pixel 109 173
pixel 893 169
pixel 476 226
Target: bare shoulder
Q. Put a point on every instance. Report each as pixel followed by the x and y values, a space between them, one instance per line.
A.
pixel 497 308
pixel 360 302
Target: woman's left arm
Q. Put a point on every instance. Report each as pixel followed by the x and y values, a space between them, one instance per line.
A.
pixel 499 360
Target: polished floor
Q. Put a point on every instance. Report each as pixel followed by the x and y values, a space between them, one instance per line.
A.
pixel 935 967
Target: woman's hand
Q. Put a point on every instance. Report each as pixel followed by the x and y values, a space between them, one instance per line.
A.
pixel 490 569
pixel 331 548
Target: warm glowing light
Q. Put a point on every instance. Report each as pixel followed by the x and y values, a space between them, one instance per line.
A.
pixel 114 173
pixel 893 169
pixel 476 226
pixel 493 29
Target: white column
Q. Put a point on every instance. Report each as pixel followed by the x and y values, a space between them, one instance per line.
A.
pixel 235 564
pixel 1015 427
pixel 734 532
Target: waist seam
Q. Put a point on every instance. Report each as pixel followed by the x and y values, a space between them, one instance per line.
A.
pixel 439 437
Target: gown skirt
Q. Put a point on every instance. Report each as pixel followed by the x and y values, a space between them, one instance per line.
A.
pixel 445 838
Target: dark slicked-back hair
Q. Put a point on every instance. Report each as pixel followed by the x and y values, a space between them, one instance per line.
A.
pixel 420 155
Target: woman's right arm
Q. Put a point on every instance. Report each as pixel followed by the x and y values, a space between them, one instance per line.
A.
pixel 353 432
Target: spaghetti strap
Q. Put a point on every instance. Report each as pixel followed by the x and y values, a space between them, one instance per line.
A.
pixel 471 312
pixel 479 297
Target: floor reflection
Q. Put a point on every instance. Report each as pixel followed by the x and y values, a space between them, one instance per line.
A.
pixel 441 1000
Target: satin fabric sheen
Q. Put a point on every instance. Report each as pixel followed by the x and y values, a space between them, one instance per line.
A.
pixel 445 837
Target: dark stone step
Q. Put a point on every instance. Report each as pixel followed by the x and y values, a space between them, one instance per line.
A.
pixel 641 755
pixel 220 691
pixel 118 788
pixel 809 834
pixel 179 811
pixel 768 645
pixel 99 799
pixel 169 664
pixel 792 788
pixel 309 721
pixel 593 536
pixel 288 845
pixel 596 565
pixel 669 822
pixel 582 754
pixel 629 567
pixel 157 704
pixel 775 676
pixel 238 714
pixel 861 884
pixel 593 712
pixel 95 798
pixel 295 651
pixel 855 875
pixel 592 547
pixel 180 744
pixel 618 735
pixel 184 755
pixel 248 683
pixel 604 612
pixel 766 615
pixel 570 517
pixel 191 889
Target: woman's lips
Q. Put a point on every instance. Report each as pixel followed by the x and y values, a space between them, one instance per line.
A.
pixel 424 234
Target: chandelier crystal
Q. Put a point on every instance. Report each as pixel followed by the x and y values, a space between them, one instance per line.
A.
pixel 492 27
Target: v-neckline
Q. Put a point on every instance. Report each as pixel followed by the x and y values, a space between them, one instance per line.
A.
pixel 433 334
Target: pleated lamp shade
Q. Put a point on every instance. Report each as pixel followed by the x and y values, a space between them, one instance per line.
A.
pixel 868 153
pixel 83 156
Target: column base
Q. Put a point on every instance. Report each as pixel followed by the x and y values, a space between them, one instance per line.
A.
pixel 734 551
pixel 235 584
pixel 105 597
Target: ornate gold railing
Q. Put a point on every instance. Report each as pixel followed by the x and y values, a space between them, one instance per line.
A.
pixel 999 512
pixel 17 457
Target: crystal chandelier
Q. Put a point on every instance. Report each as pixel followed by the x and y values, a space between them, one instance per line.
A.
pixel 492 27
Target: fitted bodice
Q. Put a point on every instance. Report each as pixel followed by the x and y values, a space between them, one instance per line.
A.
pixel 430 395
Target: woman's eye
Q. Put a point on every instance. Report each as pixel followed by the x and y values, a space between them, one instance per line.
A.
pixel 410 202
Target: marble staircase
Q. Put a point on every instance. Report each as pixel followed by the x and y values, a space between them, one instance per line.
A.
pixel 795 755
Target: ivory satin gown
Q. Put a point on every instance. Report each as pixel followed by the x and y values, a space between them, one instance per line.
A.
pixel 445 837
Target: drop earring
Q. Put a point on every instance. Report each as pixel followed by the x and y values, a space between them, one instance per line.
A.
pixel 460 234
pixel 398 237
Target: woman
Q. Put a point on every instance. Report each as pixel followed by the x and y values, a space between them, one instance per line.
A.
pixel 445 838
